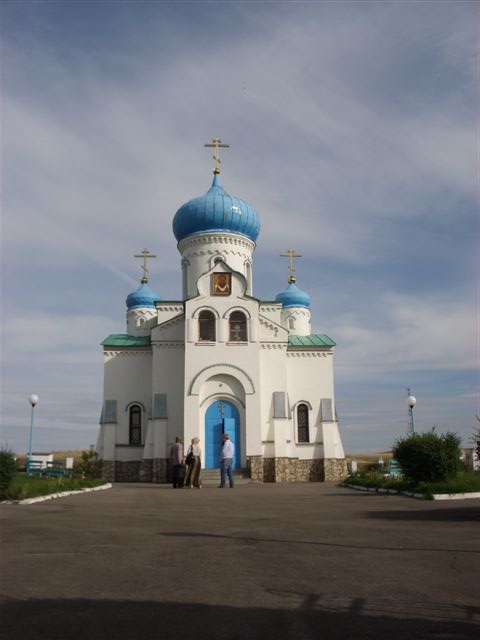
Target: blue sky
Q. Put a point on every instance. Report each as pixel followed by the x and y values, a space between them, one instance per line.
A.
pixel 354 133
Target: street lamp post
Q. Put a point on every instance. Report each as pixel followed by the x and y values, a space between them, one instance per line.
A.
pixel 33 399
pixel 411 402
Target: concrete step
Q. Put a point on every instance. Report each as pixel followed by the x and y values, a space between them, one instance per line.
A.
pixel 211 477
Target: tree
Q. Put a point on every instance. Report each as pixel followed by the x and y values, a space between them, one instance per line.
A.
pixel 8 469
pixel 91 465
pixel 428 456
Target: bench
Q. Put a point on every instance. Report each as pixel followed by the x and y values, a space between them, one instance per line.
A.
pixel 35 467
pixel 56 469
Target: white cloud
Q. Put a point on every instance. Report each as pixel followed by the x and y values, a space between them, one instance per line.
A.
pixel 411 333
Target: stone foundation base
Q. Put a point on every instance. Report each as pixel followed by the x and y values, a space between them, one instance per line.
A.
pixel 286 469
pixel 136 470
pixel 261 470
pixel 128 471
pixel 108 471
pixel 335 469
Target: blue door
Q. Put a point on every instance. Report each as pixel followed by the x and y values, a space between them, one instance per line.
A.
pixel 221 417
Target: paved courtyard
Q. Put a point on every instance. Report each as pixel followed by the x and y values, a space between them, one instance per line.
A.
pixel 261 561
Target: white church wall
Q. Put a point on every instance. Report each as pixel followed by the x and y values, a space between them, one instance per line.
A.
pixel 271 311
pixel 200 250
pixel 172 329
pixel 168 310
pixel 233 364
pixel 127 380
pixel 310 379
pixel 222 384
pixel 168 378
pixel 270 331
pixel 273 378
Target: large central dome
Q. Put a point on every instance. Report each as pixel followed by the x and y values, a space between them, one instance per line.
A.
pixel 216 211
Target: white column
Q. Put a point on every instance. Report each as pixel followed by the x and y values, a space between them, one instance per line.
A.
pixel 191 329
pixel 253 329
pixel 222 326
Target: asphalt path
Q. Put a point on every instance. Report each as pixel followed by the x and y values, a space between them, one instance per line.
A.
pixel 302 561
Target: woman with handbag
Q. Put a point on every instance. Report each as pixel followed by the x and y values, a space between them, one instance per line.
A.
pixel 194 465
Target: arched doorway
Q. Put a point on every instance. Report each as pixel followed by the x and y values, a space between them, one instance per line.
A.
pixel 221 417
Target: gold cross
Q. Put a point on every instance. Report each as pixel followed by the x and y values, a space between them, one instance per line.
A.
pixel 291 254
pixel 216 143
pixel 145 255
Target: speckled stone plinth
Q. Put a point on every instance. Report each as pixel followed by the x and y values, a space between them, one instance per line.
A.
pixel 128 471
pixel 335 469
pixel 287 469
pixel 108 473
pixel 159 470
pixel 146 468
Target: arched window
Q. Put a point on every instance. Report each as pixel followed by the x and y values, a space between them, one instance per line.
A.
pixel 302 423
pixel 206 326
pixel 135 424
pixel 237 327
pixel 291 324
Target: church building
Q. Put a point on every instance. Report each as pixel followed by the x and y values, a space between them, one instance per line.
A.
pixel 220 360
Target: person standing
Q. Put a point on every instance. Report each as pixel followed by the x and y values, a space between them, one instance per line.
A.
pixel 226 461
pixel 176 462
pixel 194 478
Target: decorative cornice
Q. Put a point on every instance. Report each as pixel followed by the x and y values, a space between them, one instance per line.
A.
pixel 129 352
pixel 169 308
pixel 307 354
pixel 142 311
pixel 270 309
pixel 225 252
pixel 295 311
pixel 273 345
pixel 168 345
pixel 269 325
pixel 202 239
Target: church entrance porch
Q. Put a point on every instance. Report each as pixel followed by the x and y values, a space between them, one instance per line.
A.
pixel 221 417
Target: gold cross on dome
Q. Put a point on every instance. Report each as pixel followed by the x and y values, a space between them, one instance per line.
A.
pixel 216 144
pixel 145 255
pixel 290 254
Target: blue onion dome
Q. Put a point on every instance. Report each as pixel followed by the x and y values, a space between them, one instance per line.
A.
pixel 292 296
pixel 216 211
pixel 142 297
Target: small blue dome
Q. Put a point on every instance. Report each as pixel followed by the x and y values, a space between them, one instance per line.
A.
pixel 216 211
pixel 142 297
pixel 293 297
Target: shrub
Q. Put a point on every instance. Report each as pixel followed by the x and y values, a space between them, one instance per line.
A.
pixel 8 469
pixel 428 457
pixel 91 465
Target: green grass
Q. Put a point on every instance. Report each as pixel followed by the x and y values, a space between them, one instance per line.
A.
pixel 465 482
pixel 24 486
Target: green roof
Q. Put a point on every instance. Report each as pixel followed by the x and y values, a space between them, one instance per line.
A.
pixel 313 340
pixel 124 340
